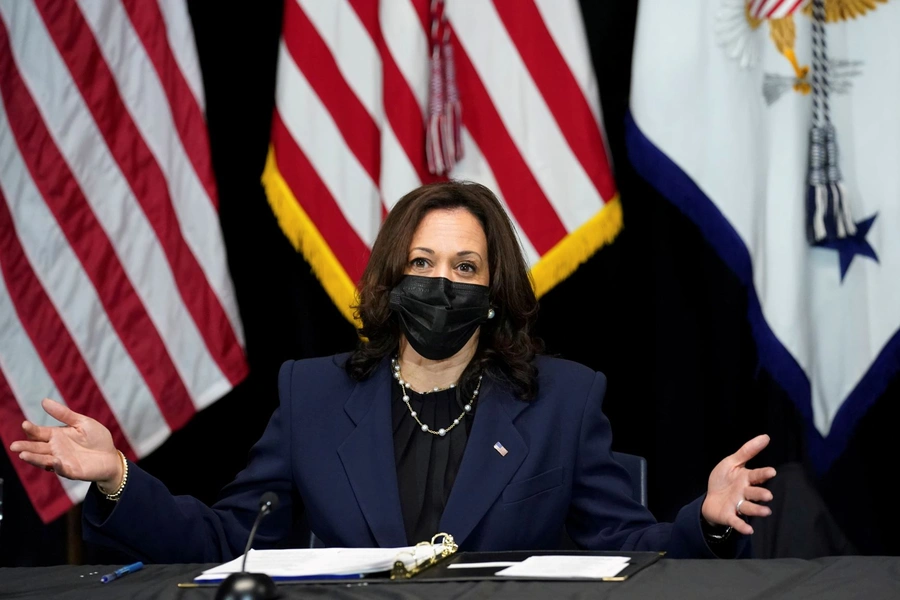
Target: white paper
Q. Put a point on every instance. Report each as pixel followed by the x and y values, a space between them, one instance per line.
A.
pixel 567 567
pixel 483 565
pixel 312 562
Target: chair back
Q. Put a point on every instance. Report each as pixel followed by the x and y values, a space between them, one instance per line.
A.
pixel 637 470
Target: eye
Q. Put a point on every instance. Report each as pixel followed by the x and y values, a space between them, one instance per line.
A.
pixel 418 263
pixel 467 267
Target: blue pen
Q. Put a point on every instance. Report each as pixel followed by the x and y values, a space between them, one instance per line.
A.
pixel 123 571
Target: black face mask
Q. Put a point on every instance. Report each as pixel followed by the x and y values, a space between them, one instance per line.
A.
pixel 437 315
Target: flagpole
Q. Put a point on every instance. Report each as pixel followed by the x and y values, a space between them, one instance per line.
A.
pixel 74 549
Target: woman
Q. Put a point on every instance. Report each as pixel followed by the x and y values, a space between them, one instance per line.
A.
pixel 445 419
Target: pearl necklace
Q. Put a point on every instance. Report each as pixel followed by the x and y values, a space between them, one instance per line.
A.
pixel 404 386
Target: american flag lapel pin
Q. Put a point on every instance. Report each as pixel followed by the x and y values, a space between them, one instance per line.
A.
pixel 500 449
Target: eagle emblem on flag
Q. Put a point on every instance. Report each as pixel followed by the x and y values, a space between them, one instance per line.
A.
pixel 739 22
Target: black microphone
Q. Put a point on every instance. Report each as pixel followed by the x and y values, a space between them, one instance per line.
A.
pixel 251 586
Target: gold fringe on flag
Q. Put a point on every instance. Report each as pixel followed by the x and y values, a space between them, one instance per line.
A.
pixel 574 249
pixel 307 240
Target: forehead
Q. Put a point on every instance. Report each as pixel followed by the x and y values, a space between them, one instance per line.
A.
pixel 455 229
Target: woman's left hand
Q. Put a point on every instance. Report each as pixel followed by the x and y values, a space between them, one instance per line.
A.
pixel 734 489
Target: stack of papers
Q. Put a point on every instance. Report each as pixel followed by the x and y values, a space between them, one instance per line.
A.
pixel 318 563
pixel 567 567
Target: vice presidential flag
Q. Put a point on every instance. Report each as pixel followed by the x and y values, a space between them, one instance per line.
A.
pixel 114 293
pixel 376 97
pixel 773 125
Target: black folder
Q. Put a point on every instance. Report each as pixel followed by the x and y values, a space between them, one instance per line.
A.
pixel 440 571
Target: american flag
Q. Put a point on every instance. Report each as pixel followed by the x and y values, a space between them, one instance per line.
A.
pixel 772 9
pixel 114 296
pixel 349 131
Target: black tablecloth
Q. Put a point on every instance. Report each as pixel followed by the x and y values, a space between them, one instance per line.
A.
pixel 870 578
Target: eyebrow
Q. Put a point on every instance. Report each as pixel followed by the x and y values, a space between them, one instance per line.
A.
pixel 460 253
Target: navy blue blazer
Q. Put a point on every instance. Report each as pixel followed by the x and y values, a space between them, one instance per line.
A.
pixel 328 450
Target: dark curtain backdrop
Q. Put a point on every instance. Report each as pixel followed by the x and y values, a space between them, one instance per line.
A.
pixel 657 311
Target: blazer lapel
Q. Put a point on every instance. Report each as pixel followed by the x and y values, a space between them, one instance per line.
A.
pixel 484 472
pixel 368 458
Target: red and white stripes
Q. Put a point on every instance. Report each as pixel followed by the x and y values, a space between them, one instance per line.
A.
pixel 355 100
pixel 115 294
pixel 773 9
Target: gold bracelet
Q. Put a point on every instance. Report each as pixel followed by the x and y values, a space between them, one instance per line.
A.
pixel 114 497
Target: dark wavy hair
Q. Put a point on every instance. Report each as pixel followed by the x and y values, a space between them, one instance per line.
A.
pixel 506 346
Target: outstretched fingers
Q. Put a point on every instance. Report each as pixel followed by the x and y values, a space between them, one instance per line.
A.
pixel 45 461
pixel 36 433
pixel 751 448
pixel 32 447
pixel 761 475
pixel 752 509
pixel 757 494
pixel 61 412
pixel 740 525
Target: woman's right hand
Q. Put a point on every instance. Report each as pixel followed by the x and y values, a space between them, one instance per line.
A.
pixel 83 449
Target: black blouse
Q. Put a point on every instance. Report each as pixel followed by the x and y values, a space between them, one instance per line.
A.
pixel 427 464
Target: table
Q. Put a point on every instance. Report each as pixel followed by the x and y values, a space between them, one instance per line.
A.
pixel 870 578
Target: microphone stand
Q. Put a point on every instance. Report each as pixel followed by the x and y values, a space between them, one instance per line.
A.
pixel 251 586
